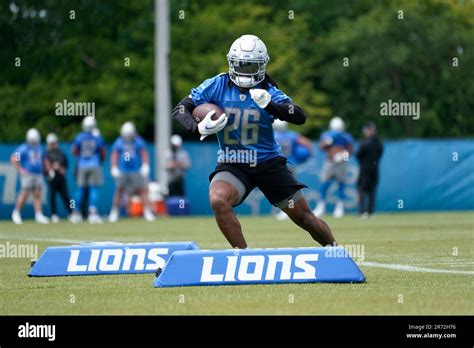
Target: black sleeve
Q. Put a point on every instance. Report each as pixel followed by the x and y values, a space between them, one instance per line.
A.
pixel 288 112
pixel 182 113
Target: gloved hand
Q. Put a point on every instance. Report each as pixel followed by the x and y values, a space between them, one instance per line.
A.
pixel 341 156
pixel 208 126
pixel 115 172
pixel 261 97
pixel 145 170
pixel 51 174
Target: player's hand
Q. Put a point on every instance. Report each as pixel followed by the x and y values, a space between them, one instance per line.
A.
pixel 208 126
pixel 51 174
pixel 145 170
pixel 115 172
pixel 342 156
pixel 261 97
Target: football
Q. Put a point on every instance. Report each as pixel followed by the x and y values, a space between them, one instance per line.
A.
pixel 201 111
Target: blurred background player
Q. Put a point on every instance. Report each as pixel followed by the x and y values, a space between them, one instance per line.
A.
pixel 177 161
pixel 57 182
pixel 295 147
pixel 31 163
pixel 368 155
pixel 90 152
pixel 337 144
pixel 129 163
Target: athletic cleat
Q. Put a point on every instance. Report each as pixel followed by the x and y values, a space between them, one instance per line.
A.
pixel 339 210
pixel 16 217
pixel 148 215
pixel 54 219
pixel 114 215
pixel 94 219
pixel 320 209
pixel 75 218
pixel 41 219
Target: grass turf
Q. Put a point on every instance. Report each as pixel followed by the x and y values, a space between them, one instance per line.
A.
pixel 423 240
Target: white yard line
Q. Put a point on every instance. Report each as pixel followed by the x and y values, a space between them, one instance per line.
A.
pixel 409 268
pixel 41 239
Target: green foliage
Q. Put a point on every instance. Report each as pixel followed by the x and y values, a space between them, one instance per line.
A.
pixel 83 59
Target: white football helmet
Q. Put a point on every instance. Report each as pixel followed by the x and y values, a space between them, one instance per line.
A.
pixel 128 130
pixel 88 123
pixel 337 124
pixel 33 136
pixel 176 140
pixel 248 58
pixel 51 138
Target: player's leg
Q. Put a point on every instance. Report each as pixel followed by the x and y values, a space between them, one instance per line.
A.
pixel 21 200
pixel 52 197
pixel 147 212
pixel 327 173
pixel 62 187
pixel 95 181
pixel 340 172
pixel 114 212
pixel 39 217
pixel 19 204
pixel 226 190
pixel 76 215
pixel 298 211
pixel 281 188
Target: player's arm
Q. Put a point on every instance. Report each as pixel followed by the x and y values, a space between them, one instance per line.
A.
pixel 16 164
pixel 278 105
pixel 145 168
pixel 114 170
pixel 182 113
pixel 289 112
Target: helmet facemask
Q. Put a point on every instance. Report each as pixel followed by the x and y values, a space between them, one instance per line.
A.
pixel 247 73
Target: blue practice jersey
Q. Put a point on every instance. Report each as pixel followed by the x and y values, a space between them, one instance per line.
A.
pixel 90 147
pixel 249 128
pixel 295 152
pixel 129 153
pixel 342 139
pixel 31 157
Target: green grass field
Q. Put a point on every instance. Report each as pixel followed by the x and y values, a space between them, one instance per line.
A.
pixel 439 241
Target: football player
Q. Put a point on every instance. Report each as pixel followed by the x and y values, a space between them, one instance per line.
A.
pixel 251 101
pixel 30 161
pixel 337 144
pixel 90 152
pixel 130 168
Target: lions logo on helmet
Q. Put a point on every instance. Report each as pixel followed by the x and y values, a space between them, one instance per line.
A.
pixel 248 58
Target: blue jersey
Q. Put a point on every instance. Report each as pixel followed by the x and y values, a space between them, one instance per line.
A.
pixel 249 128
pixel 129 153
pixel 342 139
pixel 295 152
pixel 31 157
pixel 90 147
